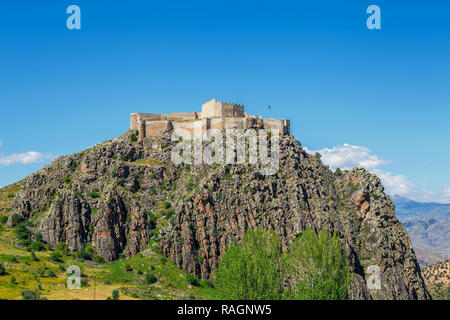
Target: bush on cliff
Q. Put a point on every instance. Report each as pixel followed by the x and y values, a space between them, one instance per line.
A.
pixel 319 267
pixel 250 271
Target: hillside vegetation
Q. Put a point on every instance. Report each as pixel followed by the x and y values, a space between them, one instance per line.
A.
pixel 437 278
pixel 147 275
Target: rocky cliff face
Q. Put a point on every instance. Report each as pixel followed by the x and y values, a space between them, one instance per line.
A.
pixel 120 195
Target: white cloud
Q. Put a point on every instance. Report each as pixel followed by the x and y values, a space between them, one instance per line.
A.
pixel 347 157
pixel 350 156
pixel 24 158
pixel 446 194
pixel 395 184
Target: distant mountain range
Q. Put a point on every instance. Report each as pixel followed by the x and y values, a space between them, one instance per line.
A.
pixel 410 208
pixel 428 225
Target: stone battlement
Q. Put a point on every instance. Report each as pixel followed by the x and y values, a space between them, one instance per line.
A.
pixel 214 115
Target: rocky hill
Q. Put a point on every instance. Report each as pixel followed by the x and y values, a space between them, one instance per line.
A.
pixel 120 194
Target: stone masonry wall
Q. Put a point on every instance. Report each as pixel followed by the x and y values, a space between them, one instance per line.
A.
pixel 214 115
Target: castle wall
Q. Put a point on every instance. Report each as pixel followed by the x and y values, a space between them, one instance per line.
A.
pixel 282 125
pixel 214 115
pixel 212 109
pixel 134 125
pixel 231 110
pixel 184 125
pixel 157 128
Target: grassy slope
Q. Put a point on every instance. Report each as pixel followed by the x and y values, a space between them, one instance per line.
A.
pixel 127 275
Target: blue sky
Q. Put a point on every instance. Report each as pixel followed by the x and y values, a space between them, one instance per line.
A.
pixel 378 97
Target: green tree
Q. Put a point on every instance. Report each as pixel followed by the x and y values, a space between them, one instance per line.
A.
pixel 56 257
pixel 317 264
pixel 115 294
pixel 33 256
pixel 251 271
pixel 36 246
pixel 150 278
pixel 32 295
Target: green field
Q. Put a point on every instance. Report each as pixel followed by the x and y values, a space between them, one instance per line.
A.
pixel 129 276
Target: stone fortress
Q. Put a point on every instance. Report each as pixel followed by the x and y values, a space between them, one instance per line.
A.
pixel 214 115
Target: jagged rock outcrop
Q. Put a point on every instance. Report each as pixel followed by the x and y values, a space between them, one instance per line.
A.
pixel 120 194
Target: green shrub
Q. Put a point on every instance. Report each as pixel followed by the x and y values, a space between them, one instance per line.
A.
pixel 319 267
pixel 51 274
pixel 250 271
pixel 22 232
pixel 192 280
pixel 169 213
pixel 167 205
pixel 99 259
pixel 32 295
pixel 91 229
pixel 11 195
pixel 13 280
pixel 133 137
pixel 150 278
pixel 86 252
pixel 16 219
pixel 36 246
pixel 2 269
pixel 66 179
pixel 84 282
pixel 56 257
pixel 63 248
pixel 3 219
pixel 151 216
pixel 94 195
pixel 338 172
pixel 115 294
